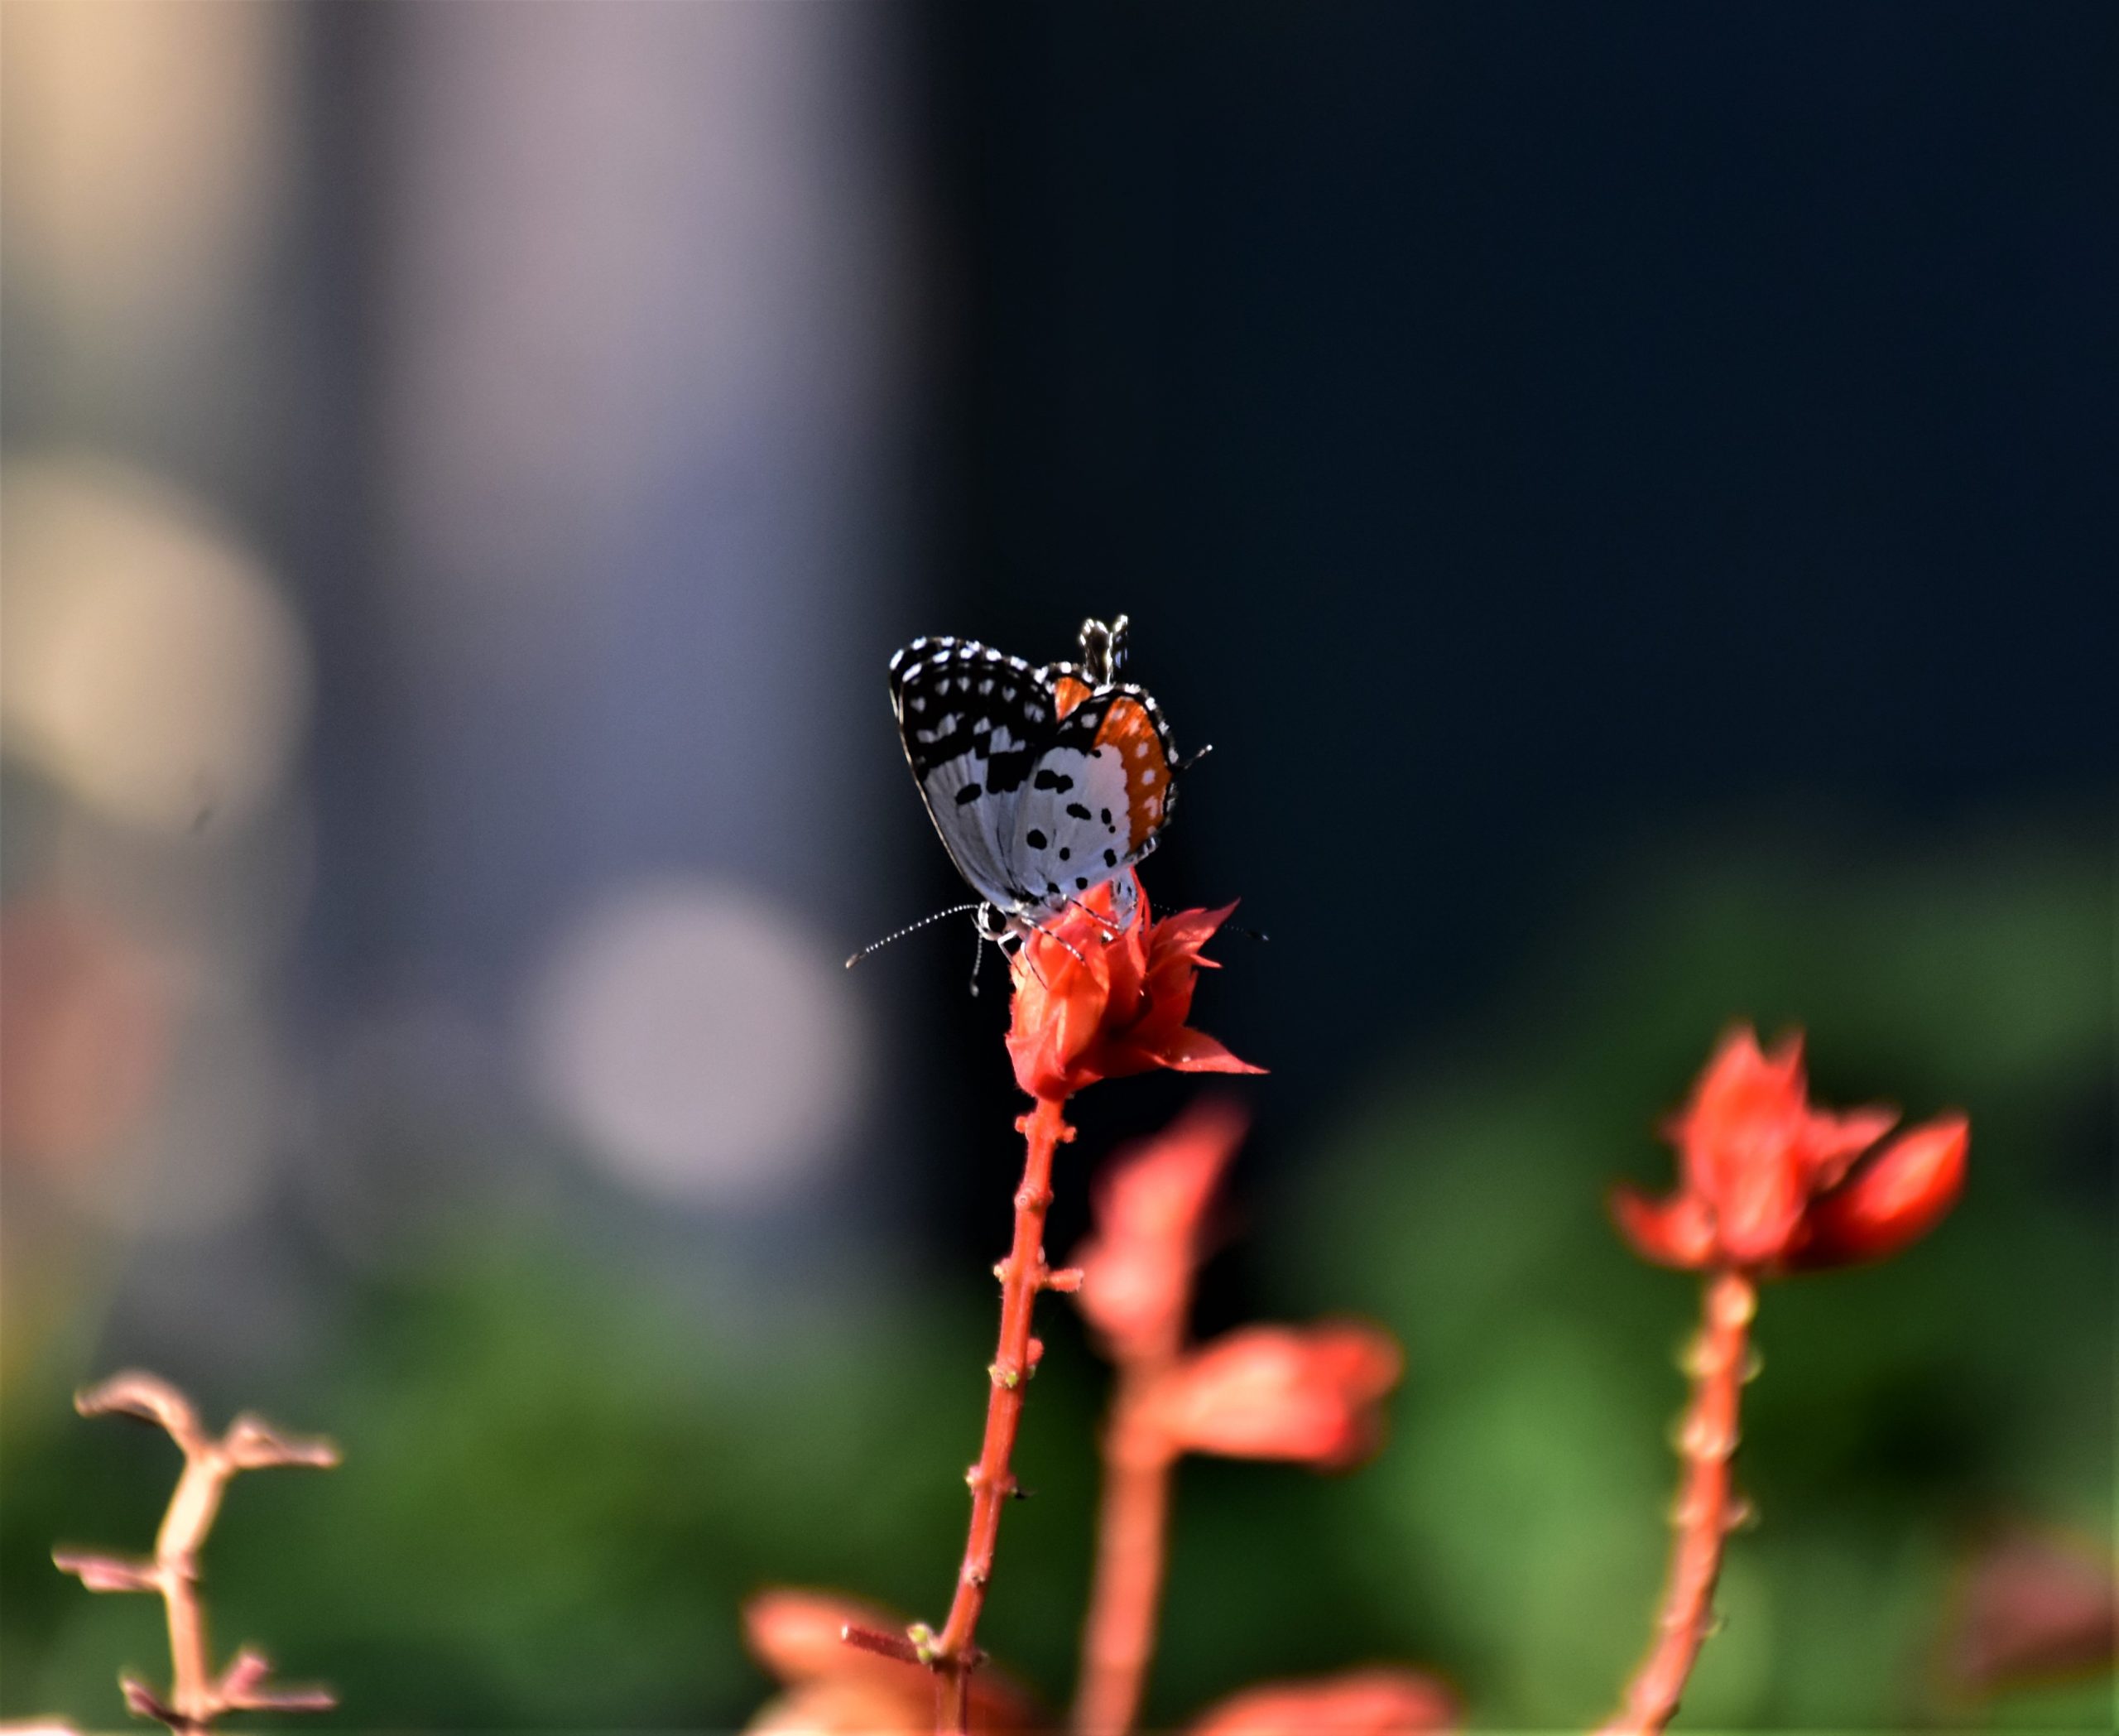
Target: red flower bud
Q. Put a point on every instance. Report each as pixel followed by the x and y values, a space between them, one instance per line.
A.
pixel 1096 999
pixel 1312 1395
pixel 1767 1183
pixel 1378 1702
pixel 1137 1266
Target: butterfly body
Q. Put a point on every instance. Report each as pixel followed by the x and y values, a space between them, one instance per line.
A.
pixel 1044 782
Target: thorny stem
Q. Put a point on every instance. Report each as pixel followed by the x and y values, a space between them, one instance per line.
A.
pixel 1707 1510
pixel 197 1696
pixel 954 1653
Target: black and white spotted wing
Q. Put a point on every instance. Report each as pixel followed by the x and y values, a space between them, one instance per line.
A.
pixel 1041 788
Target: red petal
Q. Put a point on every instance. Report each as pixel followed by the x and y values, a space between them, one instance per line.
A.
pixel 1188 930
pixel 1831 1142
pixel 1158 1189
pixel 1136 1269
pixel 1678 1231
pixel 1194 1051
pixel 1743 1087
pixel 1381 1702
pixel 1309 1395
pixel 1893 1201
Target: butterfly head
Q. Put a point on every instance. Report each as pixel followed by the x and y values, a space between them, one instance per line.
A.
pixel 1103 650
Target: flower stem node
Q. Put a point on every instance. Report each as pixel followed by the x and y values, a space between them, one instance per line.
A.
pixel 141 1701
pixel 1697 1436
pixel 1023 1125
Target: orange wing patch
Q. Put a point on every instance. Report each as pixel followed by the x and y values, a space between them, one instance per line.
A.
pixel 1130 730
pixel 1067 692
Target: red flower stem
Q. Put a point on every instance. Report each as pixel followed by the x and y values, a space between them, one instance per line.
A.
pixel 953 1653
pixel 1707 1509
pixel 1118 1638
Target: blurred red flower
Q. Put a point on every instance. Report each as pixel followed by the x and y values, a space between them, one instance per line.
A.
pixel 1768 1183
pixel 1091 1003
pixel 1310 1394
pixel 839 1690
pixel 1137 1265
pixel 1378 1702
pixel 2032 1609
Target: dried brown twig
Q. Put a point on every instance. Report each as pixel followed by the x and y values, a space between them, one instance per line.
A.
pixel 197 1696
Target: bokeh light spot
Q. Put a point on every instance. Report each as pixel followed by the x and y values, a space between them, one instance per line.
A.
pixel 150 667
pixel 702 1041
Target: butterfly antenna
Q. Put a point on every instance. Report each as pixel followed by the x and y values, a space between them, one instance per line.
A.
pixel 1193 758
pixel 910 928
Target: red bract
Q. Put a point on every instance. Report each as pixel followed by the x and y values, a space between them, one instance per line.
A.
pixel 1309 1394
pixel 1767 1183
pixel 1380 1702
pixel 1092 1004
pixel 1136 1267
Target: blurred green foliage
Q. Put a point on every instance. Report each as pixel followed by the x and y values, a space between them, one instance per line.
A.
pixel 558 1488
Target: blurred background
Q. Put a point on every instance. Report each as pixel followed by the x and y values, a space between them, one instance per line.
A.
pixel 1625 490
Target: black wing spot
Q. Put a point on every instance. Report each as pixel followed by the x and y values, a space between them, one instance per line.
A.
pixel 1075 811
pixel 1035 838
pixel 1066 854
pixel 1048 779
pixel 1081 883
pixel 969 792
pixel 1110 858
pixel 1107 817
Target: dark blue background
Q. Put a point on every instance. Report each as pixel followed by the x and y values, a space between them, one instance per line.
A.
pixel 1518 432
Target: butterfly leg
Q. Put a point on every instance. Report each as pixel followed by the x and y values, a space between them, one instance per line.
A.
pixel 1112 930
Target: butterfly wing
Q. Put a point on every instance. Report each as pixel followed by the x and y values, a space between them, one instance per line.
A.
pixel 1098 794
pixel 971 719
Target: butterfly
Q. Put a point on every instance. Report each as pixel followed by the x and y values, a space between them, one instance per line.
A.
pixel 1044 782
